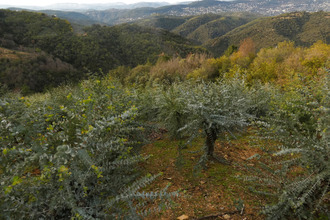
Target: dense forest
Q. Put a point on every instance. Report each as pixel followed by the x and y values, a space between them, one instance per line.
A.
pixel 98 49
pixel 196 117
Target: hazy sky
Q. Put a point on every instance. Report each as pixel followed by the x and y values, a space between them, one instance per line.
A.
pixel 49 2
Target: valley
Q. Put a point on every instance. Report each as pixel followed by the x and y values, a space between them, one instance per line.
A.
pixel 202 110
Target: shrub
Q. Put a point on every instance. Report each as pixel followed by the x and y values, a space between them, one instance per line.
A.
pixel 176 69
pixel 297 128
pixel 72 155
pixel 206 109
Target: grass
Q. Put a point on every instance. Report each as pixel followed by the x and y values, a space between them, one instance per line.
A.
pixel 213 190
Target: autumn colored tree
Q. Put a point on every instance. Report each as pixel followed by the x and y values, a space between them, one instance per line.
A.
pixel 247 47
pixel 245 54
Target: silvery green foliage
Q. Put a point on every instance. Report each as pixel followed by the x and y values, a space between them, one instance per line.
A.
pixel 298 125
pixel 172 108
pixel 71 155
pixel 190 108
pixel 146 99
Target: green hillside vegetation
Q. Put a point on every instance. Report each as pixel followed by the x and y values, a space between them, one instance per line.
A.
pixel 33 71
pixel 282 64
pixel 301 27
pixel 192 24
pixel 218 27
pixel 77 20
pixel 72 17
pixel 97 48
pixel 201 28
pixel 25 28
pixel 162 21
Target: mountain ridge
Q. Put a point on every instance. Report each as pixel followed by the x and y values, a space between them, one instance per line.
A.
pixel 301 27
pixel 81 7
pixel 268 8
pixel 113 16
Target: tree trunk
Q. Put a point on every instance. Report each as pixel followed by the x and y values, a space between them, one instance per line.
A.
pixel 211 137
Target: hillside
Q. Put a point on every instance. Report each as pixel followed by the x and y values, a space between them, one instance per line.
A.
pixel 200 28
pixel 126 44
pixel 29 71
pixel 166 22
pixel 72 17
pixel 112 14
pixel 209 26
pixel 139 43
pixel 97 48
pixel 192 24
pixel 301 27
pixel 118 16
pixel 25 28
pixel 269 8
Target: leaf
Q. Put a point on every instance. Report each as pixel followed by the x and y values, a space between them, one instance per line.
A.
pixel 5 151
pixel 16 180
pixel 84 156
pixel 182 217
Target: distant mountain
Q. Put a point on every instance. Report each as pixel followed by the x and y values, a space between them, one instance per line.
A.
pixel 78 20
pixel 118 13
pixel 147 4
pixel 301 27
pixel 72 17
pixel 85 7
pixel 5 6
pixel 195 22
pixel 118 5
pixel 264 7
pixel 166 22
pixel 200 28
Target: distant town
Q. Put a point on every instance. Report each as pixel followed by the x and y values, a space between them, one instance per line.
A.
pixel 118 13
pixel 269 7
